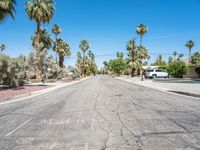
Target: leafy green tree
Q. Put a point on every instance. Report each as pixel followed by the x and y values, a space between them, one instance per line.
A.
pixel 177 69
pixel 41 11
pixel 190 44
pixel 84 46
pixel 7 7
pixel 141 30
pixel 196 58
pixel 63 49
pixel 170 59
pixel 2 48
pixel 117 66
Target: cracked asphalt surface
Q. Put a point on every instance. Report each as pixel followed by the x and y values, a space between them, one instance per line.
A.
pixel 101 114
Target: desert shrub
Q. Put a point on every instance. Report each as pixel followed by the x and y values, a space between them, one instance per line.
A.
pixel 197 69
pixel 13 71
pixel 177 69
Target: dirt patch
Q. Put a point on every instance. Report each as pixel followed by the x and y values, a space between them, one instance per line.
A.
pixel 9 93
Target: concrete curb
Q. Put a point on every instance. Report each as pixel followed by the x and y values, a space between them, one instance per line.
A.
pixel 40 92
pixel 158 88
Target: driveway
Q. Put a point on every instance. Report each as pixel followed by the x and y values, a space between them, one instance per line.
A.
pixel 101 114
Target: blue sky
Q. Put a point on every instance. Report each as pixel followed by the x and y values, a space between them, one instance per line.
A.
pixel 109 24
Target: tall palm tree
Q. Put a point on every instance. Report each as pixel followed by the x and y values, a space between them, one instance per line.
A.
pixel 84 46
pixel 141 30
pixel 131 47
pixel 56 30
pixel 175 54
pixel 180 56
pixel 63 50
pixel 91 57
pixel 190 44
pixel 79 61
pixel 2 48
pixel 142 52
pixel 7 8
pixel 45 38
pixel 41 11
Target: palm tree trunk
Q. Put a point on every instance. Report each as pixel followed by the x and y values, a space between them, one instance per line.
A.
pixel 189 59
pixel 84 64
pixel 38 31
pixel 132 72
pixel 61 60
pixel 141 40
pixel 56 48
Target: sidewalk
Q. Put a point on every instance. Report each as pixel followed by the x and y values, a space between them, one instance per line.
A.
pixel 33 90
pixel 179 87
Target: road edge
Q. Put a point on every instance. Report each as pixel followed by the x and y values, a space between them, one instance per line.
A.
pixel 40 92
pixel 158 89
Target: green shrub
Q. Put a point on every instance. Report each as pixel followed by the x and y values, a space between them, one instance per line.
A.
pixel 177 69
pixel 163 67
pixel 117 66
pixel 197 69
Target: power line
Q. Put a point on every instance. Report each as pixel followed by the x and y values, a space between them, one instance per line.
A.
pixel 104 55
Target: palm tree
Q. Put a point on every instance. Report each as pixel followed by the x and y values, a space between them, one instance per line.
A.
pixel 84 46
pixel 142 52
pixel 41 11
pixel 56 30
pixel 148 58
pixel 79 61
pixel 131 47
pixel 175 54
pixel 190 44
pixel 45 38
pixel 7 8
pixel 141 30
pixel 2 48
pixel 91 57
pixel 63 49
pixel 180 56
pixel 120 55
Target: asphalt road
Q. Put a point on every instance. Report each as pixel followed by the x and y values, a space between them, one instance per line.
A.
pixel 101 113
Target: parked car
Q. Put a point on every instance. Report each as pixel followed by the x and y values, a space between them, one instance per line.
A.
pixel 156 73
